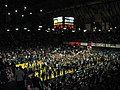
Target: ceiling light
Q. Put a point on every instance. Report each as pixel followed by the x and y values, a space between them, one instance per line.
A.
pixel 30 13
pixel 25 28
pixel 40 10
pixel 28 30
pixel 8 13
pixel 22 15
pixel 16 11
pixel 40 26
pixel 8 30
pixel 84 30
pixel 25 8
pixel 6 5
pixel 16 29
pixel 39 29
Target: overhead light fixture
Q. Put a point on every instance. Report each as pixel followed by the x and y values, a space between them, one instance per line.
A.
pixel 41 10
pixel 109 30
pixel 25 28
pixel 16 29
pixel 6 5
pixel 99 30
pixel 8 13
pixel 115 27
pixel 84 30
pixel 8 30
pixel 30 13
pixel 16 10
pixel 40 26
pixel 78 28
pixel 28 30
pixel 95 27
pixel 22 15
pixel 39 29
pixel 25 8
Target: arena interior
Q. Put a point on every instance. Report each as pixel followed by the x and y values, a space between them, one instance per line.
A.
pixel 60 45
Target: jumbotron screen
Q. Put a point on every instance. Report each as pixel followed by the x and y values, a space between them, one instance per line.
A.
pixel 69 22
pixel 58 22
pixel 63 22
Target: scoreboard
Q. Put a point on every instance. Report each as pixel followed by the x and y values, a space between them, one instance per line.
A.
pixel 58 23
pixel 63 22
pixel 69 22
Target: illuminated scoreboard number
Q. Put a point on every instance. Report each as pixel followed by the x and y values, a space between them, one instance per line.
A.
pixel 69 26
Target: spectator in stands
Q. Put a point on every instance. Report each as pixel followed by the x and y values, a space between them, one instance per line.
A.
pixel 19 74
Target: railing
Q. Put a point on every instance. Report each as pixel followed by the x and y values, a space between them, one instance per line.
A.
pixel 101 45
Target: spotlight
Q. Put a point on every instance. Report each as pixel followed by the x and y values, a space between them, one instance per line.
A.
pixel 40 26
pixel 39 29
pixel 95 27
pixel 16 11
pixel 30 13
pixel 6 5
pixel 25 28
pixel 28 30
pixel 8 30
pixel 16 29
pixel 84 30
pixel 99 30
pixel 22 15
pixel 25 8
pixel 41 10
pixel 115 27
pixel 78 28
pixel 8 13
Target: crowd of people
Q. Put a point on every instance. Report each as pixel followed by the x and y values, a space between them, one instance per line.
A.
pixel 63 68
pixel 33 39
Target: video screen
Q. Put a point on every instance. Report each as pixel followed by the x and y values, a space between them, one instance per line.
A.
pixel 58 22
pixel 69 22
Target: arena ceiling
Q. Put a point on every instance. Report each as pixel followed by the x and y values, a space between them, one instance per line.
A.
pixel 84 11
